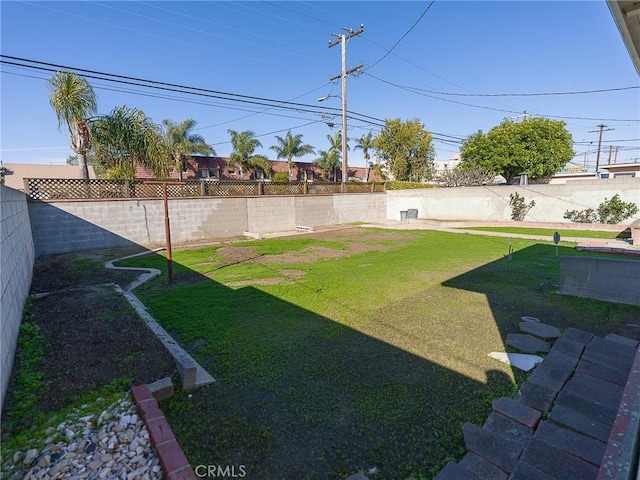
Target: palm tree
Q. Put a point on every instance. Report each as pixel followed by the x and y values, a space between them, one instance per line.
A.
pixel 74 101
pixel 181 142
pixel 127 137
pixel 290 147
pixel 244 144
pixel 335 148
pixel 327 163
pixel 365 143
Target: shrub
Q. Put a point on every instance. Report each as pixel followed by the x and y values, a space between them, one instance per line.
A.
pixel 609 211
pixel 280 177
pixel 399 185
pixel 519 208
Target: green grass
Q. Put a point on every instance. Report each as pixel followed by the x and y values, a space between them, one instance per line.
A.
pixel 550 231
pixel 372 359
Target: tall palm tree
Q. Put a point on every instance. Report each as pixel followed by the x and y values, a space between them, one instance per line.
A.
pixel 290 147
pixel 327 162
pixel 365 143
pixel 244 144
pixel 74 101
pixel 181 142
pixel 126 138
pixel 335 147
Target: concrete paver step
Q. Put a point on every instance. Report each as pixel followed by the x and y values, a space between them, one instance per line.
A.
pixel 501 452
pixel 481 469
pixel 587 448
pixel 556 462
pixel 517 411
pixel 527 343
pixel 578 422
pixel 540 330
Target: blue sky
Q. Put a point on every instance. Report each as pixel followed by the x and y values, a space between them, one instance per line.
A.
pixel 279 51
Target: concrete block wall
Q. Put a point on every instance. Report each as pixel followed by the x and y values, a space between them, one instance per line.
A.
pixel 17 256
pixel 67 226
pixel 609 279
pixel 492 203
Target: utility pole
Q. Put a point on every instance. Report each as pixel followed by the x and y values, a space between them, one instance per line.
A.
pixel 342 40
pixel 610 151
pixel 602 128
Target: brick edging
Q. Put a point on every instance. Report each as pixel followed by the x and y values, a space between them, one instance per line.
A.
pixel 175 465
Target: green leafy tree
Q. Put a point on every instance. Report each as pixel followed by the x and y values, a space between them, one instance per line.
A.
pixel 539 147
pixel 291 147
pixel 126 138
pixel 244 145
pixel 74 101
pixel 328 162
pixel 181 142
pixel 335 151
pixel 406 149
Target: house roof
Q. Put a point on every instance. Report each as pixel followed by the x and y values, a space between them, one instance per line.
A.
pixel 626 14
pixel 617 167
pixel 17 172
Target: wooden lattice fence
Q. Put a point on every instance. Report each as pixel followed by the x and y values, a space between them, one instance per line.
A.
pixel 70 189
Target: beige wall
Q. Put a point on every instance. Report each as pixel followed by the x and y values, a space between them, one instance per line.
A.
pixel 16 271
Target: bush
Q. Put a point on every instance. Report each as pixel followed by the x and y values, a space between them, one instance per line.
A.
pixel 609 211
pixel 519 208
pixel 399 185
pixel 280 177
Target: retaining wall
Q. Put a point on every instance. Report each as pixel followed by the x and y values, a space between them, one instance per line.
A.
pixel 608 279
pixel 492 202
pixel 69 226
pixel 16 271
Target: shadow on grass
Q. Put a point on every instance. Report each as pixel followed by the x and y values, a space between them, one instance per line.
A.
pixel 299 395
pixel 533 292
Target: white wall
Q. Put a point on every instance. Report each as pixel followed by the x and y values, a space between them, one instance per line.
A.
pixel 16 271
pixel 492 203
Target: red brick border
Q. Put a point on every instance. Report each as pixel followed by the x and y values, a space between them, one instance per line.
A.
pixel 175 465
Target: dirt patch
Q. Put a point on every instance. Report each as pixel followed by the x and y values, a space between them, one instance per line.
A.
pixel 91 335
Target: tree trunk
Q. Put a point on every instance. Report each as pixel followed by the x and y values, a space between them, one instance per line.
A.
pixel 82 162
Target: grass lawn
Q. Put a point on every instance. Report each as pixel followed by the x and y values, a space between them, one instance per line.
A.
pixel 355 350
pixel 550 231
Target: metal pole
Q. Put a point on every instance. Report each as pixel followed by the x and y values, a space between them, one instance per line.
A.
pixel 167 233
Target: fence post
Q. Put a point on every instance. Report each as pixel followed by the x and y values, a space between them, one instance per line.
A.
pixel 305 188
pixel 202 188
pixel 126 193
pixel 260 188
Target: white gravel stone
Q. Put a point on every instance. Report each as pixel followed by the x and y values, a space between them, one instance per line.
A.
pixel 122 449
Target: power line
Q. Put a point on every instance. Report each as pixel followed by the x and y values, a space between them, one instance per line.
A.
pixel 403 36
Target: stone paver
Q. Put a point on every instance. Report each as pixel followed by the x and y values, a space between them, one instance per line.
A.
pixel 527 343
pixel 540 330
pixel 523 361
pixel 451 471
pixel 620 339
pixel 524 471
pixel 508 428
pixel 481 469
pixel 549 377
pixel 536 396
pixel 517 411
pixel 499 451
pixel 557 463
pixel 568 347
pixel 582 446
pixel 579 389
pixel 580 423
pixel 587 407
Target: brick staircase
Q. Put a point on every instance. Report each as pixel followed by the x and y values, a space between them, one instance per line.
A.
pixel 575 418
